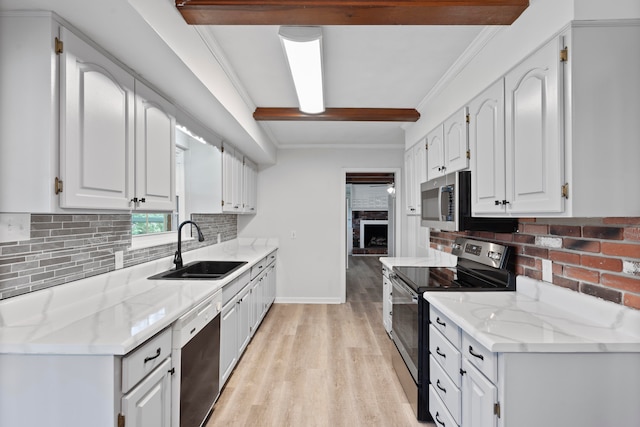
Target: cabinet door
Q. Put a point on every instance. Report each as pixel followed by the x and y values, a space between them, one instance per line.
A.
pixel 486 139
pixel 96 129
pixel 149 404
pixel 254 317
pixel 155 151
pixel 272 285
pixel 203 176
pixel 534 140
pixel 250 185
pixel 231 180
pixel 386 304
pixel 410 190
pixel 420 171
pixel 478 398
pixel 244 319
pixel 435 153
pixel 228 340
pixel 456 142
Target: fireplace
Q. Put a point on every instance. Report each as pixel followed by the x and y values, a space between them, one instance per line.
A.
pixel 373 233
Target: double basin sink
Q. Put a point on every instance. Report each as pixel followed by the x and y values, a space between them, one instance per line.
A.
pixel 201 270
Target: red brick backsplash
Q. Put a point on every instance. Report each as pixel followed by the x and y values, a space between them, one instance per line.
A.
pixel 596 256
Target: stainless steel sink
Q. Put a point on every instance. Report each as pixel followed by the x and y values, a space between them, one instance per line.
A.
pixel 201 270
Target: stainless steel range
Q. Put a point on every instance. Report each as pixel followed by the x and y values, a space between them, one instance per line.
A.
pixel 481 266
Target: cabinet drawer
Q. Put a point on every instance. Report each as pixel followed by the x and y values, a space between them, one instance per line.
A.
pixel 480 357
pixel 445 354
pixel 258 267
pixel 438 410
pixel 140 362
pixel 230 290
pixel 271 258
pixel 442 323
pixel 446 389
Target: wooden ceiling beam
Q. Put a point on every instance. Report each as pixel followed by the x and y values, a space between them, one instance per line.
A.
pixel 339 115
pixel 351 12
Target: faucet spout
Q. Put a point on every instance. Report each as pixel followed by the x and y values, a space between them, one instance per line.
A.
pixel 177 258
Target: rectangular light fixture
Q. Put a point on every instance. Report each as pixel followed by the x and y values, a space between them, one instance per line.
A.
pixel 303 49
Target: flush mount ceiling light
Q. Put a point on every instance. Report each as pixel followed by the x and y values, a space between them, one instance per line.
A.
pixel 303 49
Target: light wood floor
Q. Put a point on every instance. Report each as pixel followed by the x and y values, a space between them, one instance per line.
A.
pixel 320 365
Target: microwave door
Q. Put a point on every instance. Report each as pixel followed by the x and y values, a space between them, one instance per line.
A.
pixel 431 204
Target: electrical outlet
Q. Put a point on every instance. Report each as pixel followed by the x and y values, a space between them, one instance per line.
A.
pixel 119 256
pixel 293 234
pixel 547 270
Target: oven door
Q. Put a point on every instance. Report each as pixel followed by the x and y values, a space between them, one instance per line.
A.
pixel 404 324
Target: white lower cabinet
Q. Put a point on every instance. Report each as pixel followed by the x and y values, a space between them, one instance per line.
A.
pixel 244 319
pixel 246 301
pixel 228 340
pixel 149 404
pixel 387 303
pixel 471 386
pixel 479 396
pixel 98 390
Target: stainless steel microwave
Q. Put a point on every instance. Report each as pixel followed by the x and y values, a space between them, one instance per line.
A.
pixel 446 205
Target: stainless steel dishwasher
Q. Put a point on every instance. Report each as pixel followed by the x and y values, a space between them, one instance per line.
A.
pixel 196 356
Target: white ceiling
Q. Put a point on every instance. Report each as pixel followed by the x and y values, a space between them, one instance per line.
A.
pixel 364 66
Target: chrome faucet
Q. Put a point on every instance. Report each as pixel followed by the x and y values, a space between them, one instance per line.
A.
pixel 177 258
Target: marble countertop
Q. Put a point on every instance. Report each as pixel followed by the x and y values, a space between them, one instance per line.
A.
pixel 115 312
pixel 541 317
pixel 434 258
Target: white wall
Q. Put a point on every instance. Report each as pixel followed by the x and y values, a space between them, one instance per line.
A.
pixel 302 194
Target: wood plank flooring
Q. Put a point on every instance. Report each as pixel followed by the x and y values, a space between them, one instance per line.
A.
pixel 320 365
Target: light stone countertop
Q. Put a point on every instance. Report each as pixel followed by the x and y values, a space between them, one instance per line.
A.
pixel 541 317
pixel 115 312
pixel 434 258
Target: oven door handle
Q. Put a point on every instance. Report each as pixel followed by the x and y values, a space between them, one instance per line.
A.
pixel 398 283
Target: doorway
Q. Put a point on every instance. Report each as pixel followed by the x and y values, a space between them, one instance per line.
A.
pixel 370 224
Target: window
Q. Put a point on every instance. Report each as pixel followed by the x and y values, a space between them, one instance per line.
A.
pixel 143 224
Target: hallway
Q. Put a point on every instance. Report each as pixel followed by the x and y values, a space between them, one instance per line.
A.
pixel 320 365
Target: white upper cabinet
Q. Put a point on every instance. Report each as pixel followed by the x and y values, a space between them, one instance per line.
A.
pixel 28 113
pixel 155 151
pixel 232 172
pixel 570 126
pixel 97 110
pixel 250 187
pixel 534 139
pixel 435 153
pixel 447 146
pixel 602 107
pixel 117 136
pixel 415 172
pixel 203 175
pixel 486 140
pixel 103 139
pixel 456 142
